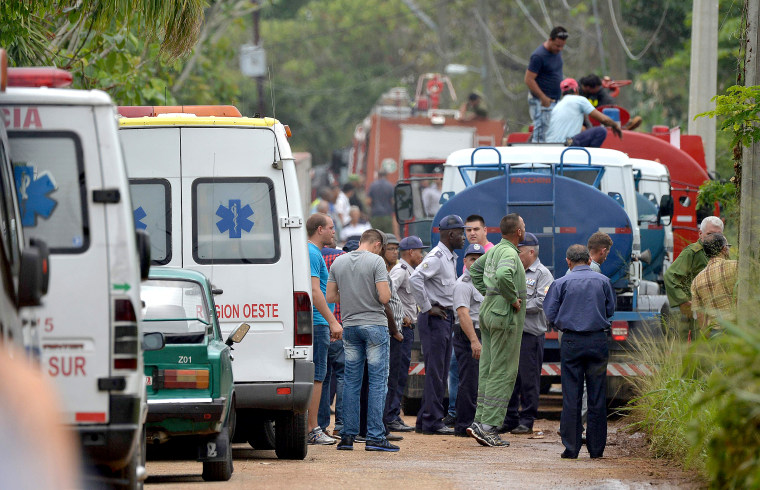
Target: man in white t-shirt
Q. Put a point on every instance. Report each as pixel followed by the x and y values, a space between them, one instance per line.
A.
pixel 566 124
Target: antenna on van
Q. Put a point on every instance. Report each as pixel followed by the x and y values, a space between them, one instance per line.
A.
pixel 271 91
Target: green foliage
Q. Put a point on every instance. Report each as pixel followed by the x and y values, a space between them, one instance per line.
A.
pixel 738 111
pixel 732 392
pixel 712 191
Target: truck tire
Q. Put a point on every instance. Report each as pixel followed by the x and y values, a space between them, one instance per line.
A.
pixel 290 436
pixel 411 406
pixel 133 473
pixel 219 470
pixel 261 435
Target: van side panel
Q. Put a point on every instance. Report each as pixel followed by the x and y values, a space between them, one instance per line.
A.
pixel 152 157
pixel 233 199
pixel 76 342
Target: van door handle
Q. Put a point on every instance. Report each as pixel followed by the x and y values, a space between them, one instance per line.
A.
pixel 106 196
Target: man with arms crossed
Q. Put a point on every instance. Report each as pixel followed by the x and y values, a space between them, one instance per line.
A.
pixel 321 232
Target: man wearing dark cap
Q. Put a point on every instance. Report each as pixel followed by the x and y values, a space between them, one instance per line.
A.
pixel 433 288
pixel 500 277
pixel 580 304
pixel 467 345
pixel 528 384
pixel 410 249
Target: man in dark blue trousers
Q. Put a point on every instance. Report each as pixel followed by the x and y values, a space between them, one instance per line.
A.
pixel 580 305
pixel 433 288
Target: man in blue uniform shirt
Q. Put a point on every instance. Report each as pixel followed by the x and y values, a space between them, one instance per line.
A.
pixel 580 304
pixel 433 288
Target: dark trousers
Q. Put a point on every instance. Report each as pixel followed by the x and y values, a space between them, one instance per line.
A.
pixel 467 395
pixel 400 356
pixel 528 383
pixel 584 357
pixel 591 138
pixel 435 336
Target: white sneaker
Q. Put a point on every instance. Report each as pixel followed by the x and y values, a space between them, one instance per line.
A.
pixel 318 438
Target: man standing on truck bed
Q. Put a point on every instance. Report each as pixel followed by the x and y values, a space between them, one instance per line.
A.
pixel 433 288
pixel 321 232
pixel 580 304
pixel 682 272
pixel 543 77
pixel 500 277
pixel 380 200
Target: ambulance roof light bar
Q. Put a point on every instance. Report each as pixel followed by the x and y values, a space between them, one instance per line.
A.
pixel 198 110
pixel 39 77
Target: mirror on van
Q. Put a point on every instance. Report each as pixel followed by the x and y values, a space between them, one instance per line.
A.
pixel 238 334
pixel 153 341
pixel 143 252
pixel 34 275
pixel 45 254
pixel 666 208
pixel 404 199
pixel 217 291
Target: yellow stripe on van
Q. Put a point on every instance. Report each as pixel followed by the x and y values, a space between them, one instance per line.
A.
pixel 197 121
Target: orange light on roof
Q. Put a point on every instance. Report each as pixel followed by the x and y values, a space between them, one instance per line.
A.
pixel 39 77
pixel 287 131
pixel 3 70
pixel 198 110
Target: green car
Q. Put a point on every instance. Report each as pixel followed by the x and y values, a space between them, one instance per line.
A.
pixel 189 381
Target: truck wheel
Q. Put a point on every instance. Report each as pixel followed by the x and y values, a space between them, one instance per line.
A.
pixel 411 406
pixel 134 472
pixel 290 436
pixel 219 470
pixel 262 435
pixel 546 385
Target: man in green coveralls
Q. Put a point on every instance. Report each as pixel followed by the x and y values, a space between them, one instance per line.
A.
pixel 499 276
pixel 682 272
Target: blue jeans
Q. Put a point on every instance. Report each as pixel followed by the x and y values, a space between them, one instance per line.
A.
pixel 590 138
pixel 541 117
pixel 321 345
pixel 370 343
pixel 453 385
pixel 335 364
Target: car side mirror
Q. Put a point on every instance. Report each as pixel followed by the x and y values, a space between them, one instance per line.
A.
pixel 153 341
pixel 404 202
pixel 217 291
pixel 666 208
pixel 143 252
pixel 34 275
pixel 238 334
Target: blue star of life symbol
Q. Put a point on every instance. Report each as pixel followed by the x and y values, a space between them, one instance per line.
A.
pixel 139 215
pixel 234 218
pixel 33 194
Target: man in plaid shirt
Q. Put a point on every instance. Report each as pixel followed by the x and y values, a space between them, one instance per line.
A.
pixel 712 291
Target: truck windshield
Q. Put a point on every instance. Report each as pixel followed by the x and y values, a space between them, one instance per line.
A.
pixel 174 307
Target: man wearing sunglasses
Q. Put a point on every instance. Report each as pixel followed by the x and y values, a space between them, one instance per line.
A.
pixel 543 77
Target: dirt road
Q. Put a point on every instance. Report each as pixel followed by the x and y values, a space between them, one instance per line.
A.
pixel 443 462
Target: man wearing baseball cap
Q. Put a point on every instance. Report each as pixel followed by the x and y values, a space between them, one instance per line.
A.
pixel 410 250
pixel 566 124
pixel 528 384
pixel 467 346
pixel 433 288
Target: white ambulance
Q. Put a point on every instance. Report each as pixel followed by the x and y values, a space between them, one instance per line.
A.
pixel 74 195
pixel 23 268
pixel 218 193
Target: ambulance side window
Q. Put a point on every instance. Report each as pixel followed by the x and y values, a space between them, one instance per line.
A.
pixel 152 210
pixel 235 221
pixel 48 169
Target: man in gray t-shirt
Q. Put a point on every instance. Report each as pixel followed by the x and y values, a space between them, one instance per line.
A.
pixel 359 281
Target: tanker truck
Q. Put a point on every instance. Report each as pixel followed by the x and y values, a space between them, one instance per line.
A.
pixel 564 195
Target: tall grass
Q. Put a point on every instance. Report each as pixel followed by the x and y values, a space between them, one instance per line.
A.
pixel 702 405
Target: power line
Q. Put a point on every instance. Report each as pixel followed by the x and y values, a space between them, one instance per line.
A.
pixel 531 19
pixel 496 42
pixel 546 14
pixel 620 34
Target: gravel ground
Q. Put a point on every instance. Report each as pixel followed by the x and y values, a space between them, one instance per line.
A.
pixel 445 462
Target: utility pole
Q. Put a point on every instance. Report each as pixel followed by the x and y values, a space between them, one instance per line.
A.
pixel 703 75
pixel 749 222
pixel 256 40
